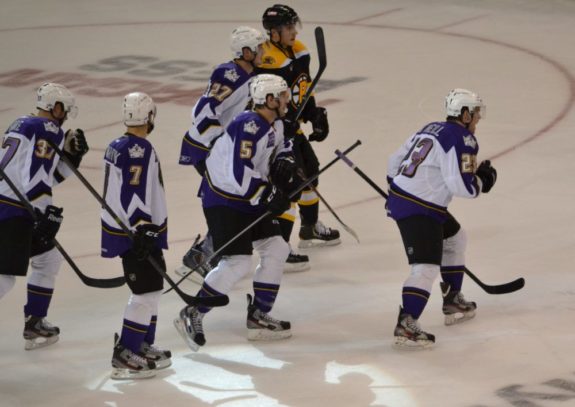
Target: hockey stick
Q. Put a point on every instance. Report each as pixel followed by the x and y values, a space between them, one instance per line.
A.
pixel 505 288
pixel 332 211
pixel 267 213
pixel 322 57
pixel 215 301
pixel 89 281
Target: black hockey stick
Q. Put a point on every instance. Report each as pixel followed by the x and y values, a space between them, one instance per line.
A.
pixel 322 57
pixel 215 301
pixel 267 213
pixel 505 288
pixel 89 281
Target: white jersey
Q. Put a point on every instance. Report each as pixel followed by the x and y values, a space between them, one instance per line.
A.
pixel 134 189
pixel 430 168
pixel 31 164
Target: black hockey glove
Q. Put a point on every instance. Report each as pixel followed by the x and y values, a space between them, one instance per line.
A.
pixel 320 125
pixel 487 174
pixel 47 224
pixel 75 146
pixel 282 171
pixel 145 240
pixel 276 202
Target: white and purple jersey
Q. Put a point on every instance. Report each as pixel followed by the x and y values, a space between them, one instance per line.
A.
pixel 431 167
pixel 31 164
pixel 239 163
pixel 226 96
pixel 134 189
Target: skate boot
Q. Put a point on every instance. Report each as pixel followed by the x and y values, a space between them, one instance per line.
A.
pixel 296 263
pixel 317 235
pixel 39 333
pixel 127 365
pixel 455 308
pixel 263 327
pixel 162 358
pixel 194 265
pixel 189 325
pixel 409 335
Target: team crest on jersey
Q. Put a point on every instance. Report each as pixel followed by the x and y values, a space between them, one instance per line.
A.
pixel 51 127
pixel 251 127
pixel 136 151
pixel 269 60
pixel 299 89
pixel 231 75
pixel 470 141
pixel 14 127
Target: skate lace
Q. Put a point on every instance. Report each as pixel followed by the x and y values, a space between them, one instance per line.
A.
pixel 196 320
pixel 153 349
pixel 460 299
pixel 137 359
pixel 413 325
pixel 321 229
pixel 266 317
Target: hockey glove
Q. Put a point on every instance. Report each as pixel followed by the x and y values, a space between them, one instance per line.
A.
pixel 487 174
pixel 47 224
pixel 75 146
pixel 320 125
pixel 282 171
pixel 145 240
pixel 291 128
pixel 275 201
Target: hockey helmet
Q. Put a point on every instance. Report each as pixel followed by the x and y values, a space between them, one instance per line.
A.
pixel 51 93
pixel 266 84
pixel 279 15
pixel 138 109
pixel 458 98
pixel 245 37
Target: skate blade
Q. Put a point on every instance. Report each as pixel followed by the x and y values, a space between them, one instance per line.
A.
pixel 181 328
pixel 312 243
pixel 407 344
pixel 296 267
pixel 458 317
pixel 127 374
pixel 267 335
pixel 40 342
pixel 187 272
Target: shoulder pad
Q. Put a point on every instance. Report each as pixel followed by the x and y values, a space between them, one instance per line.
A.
pixel 273 58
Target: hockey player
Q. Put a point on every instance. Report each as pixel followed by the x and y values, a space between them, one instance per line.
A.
pixel 34 168
pixel 134 189
pixel 432 166
pixel 226 96
pixel 249 171
pixel 289 58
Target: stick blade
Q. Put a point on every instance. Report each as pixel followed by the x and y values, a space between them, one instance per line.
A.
pixel 320 44
pixel 103 283
pixel 506 288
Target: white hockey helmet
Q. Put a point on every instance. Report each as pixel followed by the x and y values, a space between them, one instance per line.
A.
pixel 266 84
pixel 245 37
pixel 137 108
pixel 51 93
pixel 458 98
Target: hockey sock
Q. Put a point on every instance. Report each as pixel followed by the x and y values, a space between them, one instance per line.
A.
pixel 151 334
pixel 309 213
pixel 453 275
pixel 265 296
pixel 414 301
pixel 286 227
pixel 206 291
pixel 38 301
pixel 133 335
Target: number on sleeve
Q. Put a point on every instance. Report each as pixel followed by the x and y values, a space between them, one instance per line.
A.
pixel 219 91
pixel 246 149
pixel 11 145
pixel 416 155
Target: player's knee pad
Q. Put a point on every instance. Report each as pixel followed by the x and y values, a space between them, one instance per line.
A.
pixel 454 249
pixel 273 253
pixel 6 284
pixel 141 307
pixel 228 272
pixel 44 268
pixel 422 276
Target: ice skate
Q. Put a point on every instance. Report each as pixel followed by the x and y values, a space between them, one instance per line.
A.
pixel 409 335
pixel 39 333
pixel 127 365
pixel 263 327
pixel 162 358
pixel 190 328
pixel 296 263
pixel 317 235
pixel 455 308
pixel 194 265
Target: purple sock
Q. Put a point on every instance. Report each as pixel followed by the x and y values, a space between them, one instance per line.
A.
pixel 414 301
pixel 151 334
pixel 265 296
pixel 133 335
pixel 38 301
pixel 453 275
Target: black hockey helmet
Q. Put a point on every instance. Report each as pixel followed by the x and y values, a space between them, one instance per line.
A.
pixel 279 15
